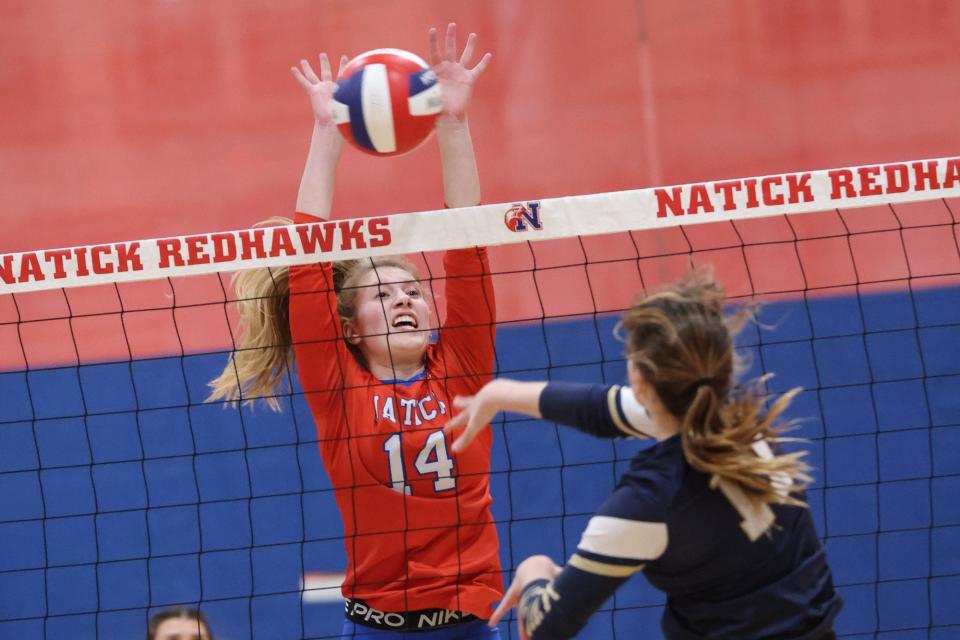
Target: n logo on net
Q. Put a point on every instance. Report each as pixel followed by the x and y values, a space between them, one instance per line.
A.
pixel 523 217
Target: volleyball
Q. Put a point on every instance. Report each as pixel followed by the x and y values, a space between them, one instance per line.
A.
pixel 386 102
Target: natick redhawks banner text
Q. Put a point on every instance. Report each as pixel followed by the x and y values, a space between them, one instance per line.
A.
pixel 494 224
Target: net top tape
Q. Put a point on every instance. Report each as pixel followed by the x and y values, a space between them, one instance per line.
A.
pixel 485 225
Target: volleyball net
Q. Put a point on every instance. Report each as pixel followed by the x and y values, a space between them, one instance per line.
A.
pixel 122 491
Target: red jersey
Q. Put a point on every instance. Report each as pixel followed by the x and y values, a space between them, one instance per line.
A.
pixel 417 524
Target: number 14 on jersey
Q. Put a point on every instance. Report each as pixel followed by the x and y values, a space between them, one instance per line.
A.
pixel 432 459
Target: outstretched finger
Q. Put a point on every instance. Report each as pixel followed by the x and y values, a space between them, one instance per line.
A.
pixel 468 48
pixel 325 73
pixel 468 435
pixel 300 78
pixel 484 62
pixel 456 422
pixel 434 39
pixel 510 600
pixel 451 42
pixel 342 65
pixel 308 72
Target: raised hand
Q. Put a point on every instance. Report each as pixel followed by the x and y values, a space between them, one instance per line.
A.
pixel 500 394
pixel 319 89
pixel 475 415
pixel 456 79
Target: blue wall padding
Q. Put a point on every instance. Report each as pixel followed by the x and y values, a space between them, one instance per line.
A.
pixel 120 491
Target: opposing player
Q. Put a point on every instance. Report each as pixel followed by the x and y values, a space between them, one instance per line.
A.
pixel 420 540
pixel 711 514
pixel 179 623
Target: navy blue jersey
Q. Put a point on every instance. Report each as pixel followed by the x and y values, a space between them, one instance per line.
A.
pixel 729 568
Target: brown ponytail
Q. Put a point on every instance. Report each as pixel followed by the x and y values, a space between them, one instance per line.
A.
pixel 682 343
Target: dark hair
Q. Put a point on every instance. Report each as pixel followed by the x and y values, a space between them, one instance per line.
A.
pixel 682 343
pixel 177 612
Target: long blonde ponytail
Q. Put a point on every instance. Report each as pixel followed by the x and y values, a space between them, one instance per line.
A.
pixel 264 354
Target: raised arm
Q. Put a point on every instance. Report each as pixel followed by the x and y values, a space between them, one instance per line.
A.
pixel 467 337
pixel 315 196
pixel 322 356
pixel 600 410
pixel 461 182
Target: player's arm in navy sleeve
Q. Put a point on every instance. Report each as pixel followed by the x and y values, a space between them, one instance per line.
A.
pixel 600 410
pixel 627 532
pixel 607 412
pixel 545 614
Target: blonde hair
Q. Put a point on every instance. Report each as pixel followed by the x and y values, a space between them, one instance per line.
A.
pixel 682 343
pixel 264 351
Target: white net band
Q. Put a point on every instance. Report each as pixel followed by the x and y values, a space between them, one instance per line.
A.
pixel 487 225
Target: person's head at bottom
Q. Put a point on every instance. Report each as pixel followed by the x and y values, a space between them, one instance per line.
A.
pixel 179 623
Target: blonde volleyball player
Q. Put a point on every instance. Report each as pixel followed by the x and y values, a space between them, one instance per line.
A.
pixel 711 514
pixel 422 551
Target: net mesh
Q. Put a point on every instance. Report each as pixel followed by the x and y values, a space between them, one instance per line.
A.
pixel 123 492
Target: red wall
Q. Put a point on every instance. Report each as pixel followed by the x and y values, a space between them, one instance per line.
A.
pixel 124 120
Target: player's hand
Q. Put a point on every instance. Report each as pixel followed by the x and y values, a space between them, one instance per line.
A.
pixel 319 89
pixel 454 76
pixel 475 415
pixel 501 394
pixel 533 568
